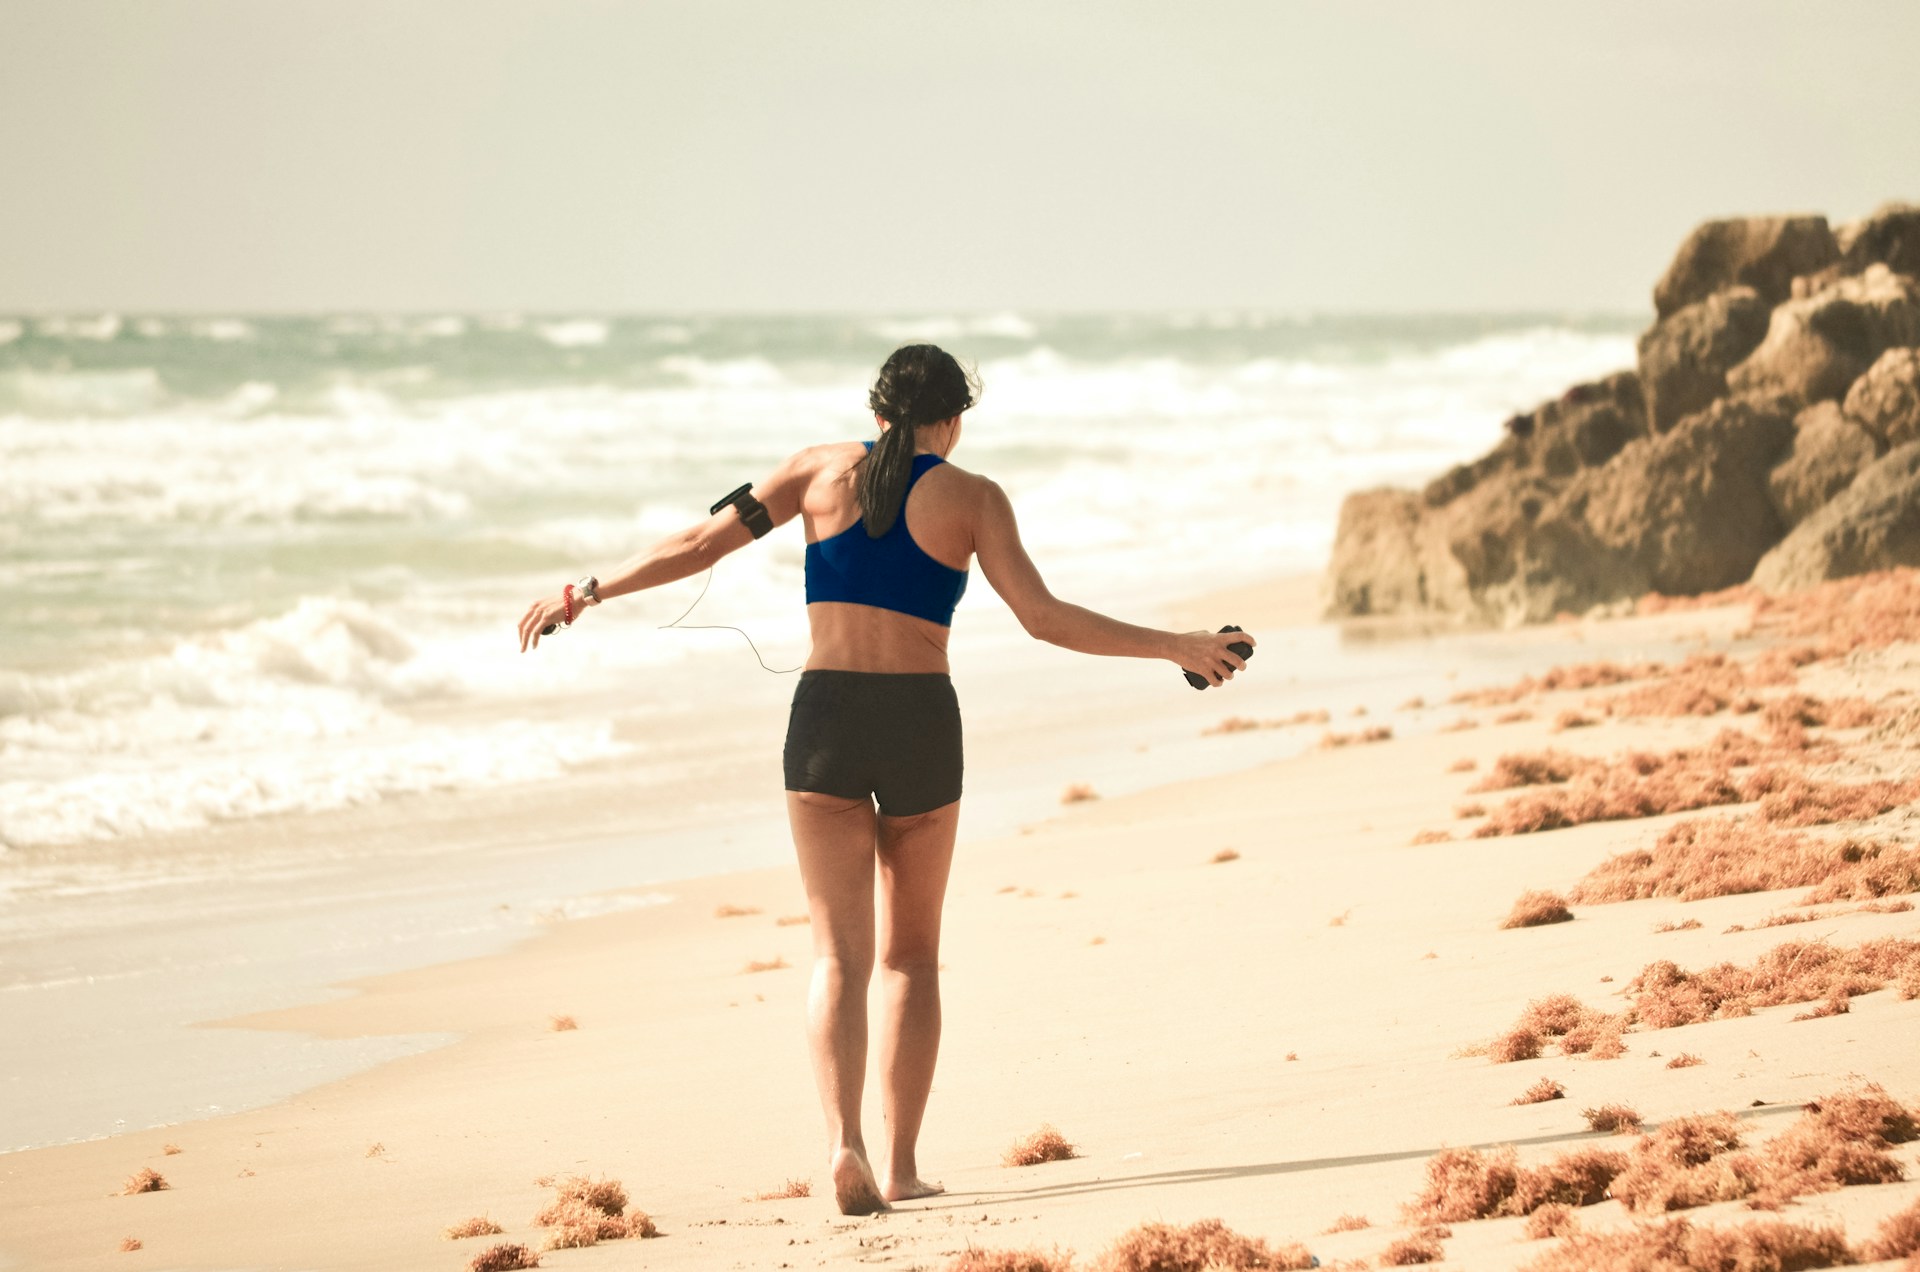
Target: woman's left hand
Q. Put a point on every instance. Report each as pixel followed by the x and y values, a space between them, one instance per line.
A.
pixel 546 612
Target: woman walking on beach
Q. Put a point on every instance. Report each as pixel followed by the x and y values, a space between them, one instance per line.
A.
pixel 891 528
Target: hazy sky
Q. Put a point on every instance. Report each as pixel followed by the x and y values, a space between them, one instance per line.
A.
pixel 272 155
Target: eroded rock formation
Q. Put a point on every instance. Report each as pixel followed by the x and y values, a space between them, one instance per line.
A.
pixel 1782 369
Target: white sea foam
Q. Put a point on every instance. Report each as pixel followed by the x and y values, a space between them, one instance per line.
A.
pixel 575 333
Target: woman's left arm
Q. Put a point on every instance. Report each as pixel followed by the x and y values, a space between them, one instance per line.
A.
pixel 688 551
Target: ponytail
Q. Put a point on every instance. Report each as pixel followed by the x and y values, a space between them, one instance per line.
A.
pixel 919 384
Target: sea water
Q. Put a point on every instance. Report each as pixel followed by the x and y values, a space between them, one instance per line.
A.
pixel 246 563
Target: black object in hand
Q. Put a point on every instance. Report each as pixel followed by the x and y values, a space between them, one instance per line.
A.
pixel 1239 647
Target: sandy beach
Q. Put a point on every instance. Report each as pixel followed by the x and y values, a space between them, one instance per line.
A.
pixel 1245 992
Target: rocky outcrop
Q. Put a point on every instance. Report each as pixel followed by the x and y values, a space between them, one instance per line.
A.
pixel 1828 452
pixel 1752 441
pixel 1377 565
pixel 1761 252
pixel 1886 400
pixel 1818 345
pixel 1874 524
pixel 1685 357
pixel 1689 511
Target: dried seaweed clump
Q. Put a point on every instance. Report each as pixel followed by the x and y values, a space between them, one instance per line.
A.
pixel 1029 1260
pixel 1420 1247
pixel 1616 1119
pixel 1205 1246
pixel 1674 1245
pixel 1533 768
pixel 1465 1184
pixel 1686 1162
pixel 793 1188
pixel 1728 856
pixel 1537 909
pixel 1703 685
pixel 1685 1060
pixel 478 1226
pixel 1425 837
pixel 1645 784
pixel 730 911
pixel 1078 793
pixel 144 1180
pixel 129 1244
pixel 1665 995
pixel 1898 1237
pixel 562 1024
pixel 1540 1092
pixel 774 964
pixel 503 1258
pixel 1580 1029
pixel 1044 1145
pixel 1591 675
pixel 1867 611
pixel 1377 733
pixel 1838 1141
pixel 1349 1223
pixel 1551 1220
pixel 587 1211
pixel 1790 799
pixel 1224 855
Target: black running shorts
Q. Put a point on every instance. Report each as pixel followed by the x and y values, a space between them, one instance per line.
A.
pixel 894 735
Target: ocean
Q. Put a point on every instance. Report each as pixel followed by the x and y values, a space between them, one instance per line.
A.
pixel 248 562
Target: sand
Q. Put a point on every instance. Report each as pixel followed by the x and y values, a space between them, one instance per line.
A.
pixel 1276 1040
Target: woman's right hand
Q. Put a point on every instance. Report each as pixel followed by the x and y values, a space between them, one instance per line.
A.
pixel 1206 654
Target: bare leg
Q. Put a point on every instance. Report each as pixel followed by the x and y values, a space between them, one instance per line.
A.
pixel 916 854
pixel 834 838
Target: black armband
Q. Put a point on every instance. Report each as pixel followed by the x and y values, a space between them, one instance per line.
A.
pixel 751 510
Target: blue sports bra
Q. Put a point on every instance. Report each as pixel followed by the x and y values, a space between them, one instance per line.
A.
pixel 890 572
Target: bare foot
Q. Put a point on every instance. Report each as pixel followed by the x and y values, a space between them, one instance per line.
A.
pixel 908 1189
pixel 853 1187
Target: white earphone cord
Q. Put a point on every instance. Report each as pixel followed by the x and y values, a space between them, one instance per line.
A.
pixel 714 627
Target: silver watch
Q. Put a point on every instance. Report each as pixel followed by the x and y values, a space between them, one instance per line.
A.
pixel 589 589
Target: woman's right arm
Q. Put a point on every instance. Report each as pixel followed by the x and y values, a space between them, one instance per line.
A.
pixel 1004 560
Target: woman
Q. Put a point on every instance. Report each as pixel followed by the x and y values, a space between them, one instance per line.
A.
pixel 891 529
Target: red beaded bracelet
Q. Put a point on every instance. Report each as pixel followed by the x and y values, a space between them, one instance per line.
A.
pixel 566 602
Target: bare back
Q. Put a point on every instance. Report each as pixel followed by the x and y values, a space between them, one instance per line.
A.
pixel 940 517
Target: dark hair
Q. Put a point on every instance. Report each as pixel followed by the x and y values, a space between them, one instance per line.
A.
pixel 919 384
